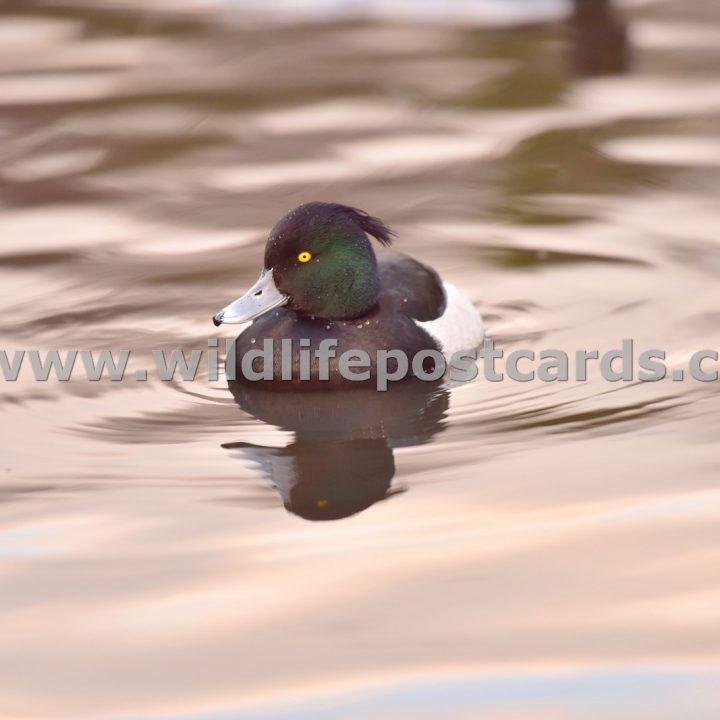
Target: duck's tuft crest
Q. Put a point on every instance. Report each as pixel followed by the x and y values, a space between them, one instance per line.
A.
pixel 371 225
pixel 367 223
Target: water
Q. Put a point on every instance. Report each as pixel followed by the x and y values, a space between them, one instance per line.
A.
pixel 504 549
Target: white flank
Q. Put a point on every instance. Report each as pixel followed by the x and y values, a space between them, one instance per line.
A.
pixel 460 327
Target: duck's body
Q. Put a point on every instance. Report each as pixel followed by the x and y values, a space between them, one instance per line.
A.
pixel 323 282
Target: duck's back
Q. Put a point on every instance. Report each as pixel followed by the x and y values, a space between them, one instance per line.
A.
pixel 415 289
pixel 438 308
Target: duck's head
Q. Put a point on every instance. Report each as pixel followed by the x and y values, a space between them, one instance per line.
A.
pixel 319 262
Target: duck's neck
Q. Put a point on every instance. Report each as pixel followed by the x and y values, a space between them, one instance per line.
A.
pixel 344 286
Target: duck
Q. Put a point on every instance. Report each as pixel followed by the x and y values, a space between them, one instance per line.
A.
pixel 321 279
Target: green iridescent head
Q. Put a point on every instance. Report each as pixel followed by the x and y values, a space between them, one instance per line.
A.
pixel 318 261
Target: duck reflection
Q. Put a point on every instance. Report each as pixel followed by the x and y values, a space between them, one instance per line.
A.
pixel 341 461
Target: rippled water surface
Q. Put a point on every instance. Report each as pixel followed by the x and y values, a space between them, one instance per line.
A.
pixel 495 550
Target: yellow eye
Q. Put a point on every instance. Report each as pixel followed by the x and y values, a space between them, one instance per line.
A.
pixel 305 256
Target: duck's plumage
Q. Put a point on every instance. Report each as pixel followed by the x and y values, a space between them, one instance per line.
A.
pixel 322 280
